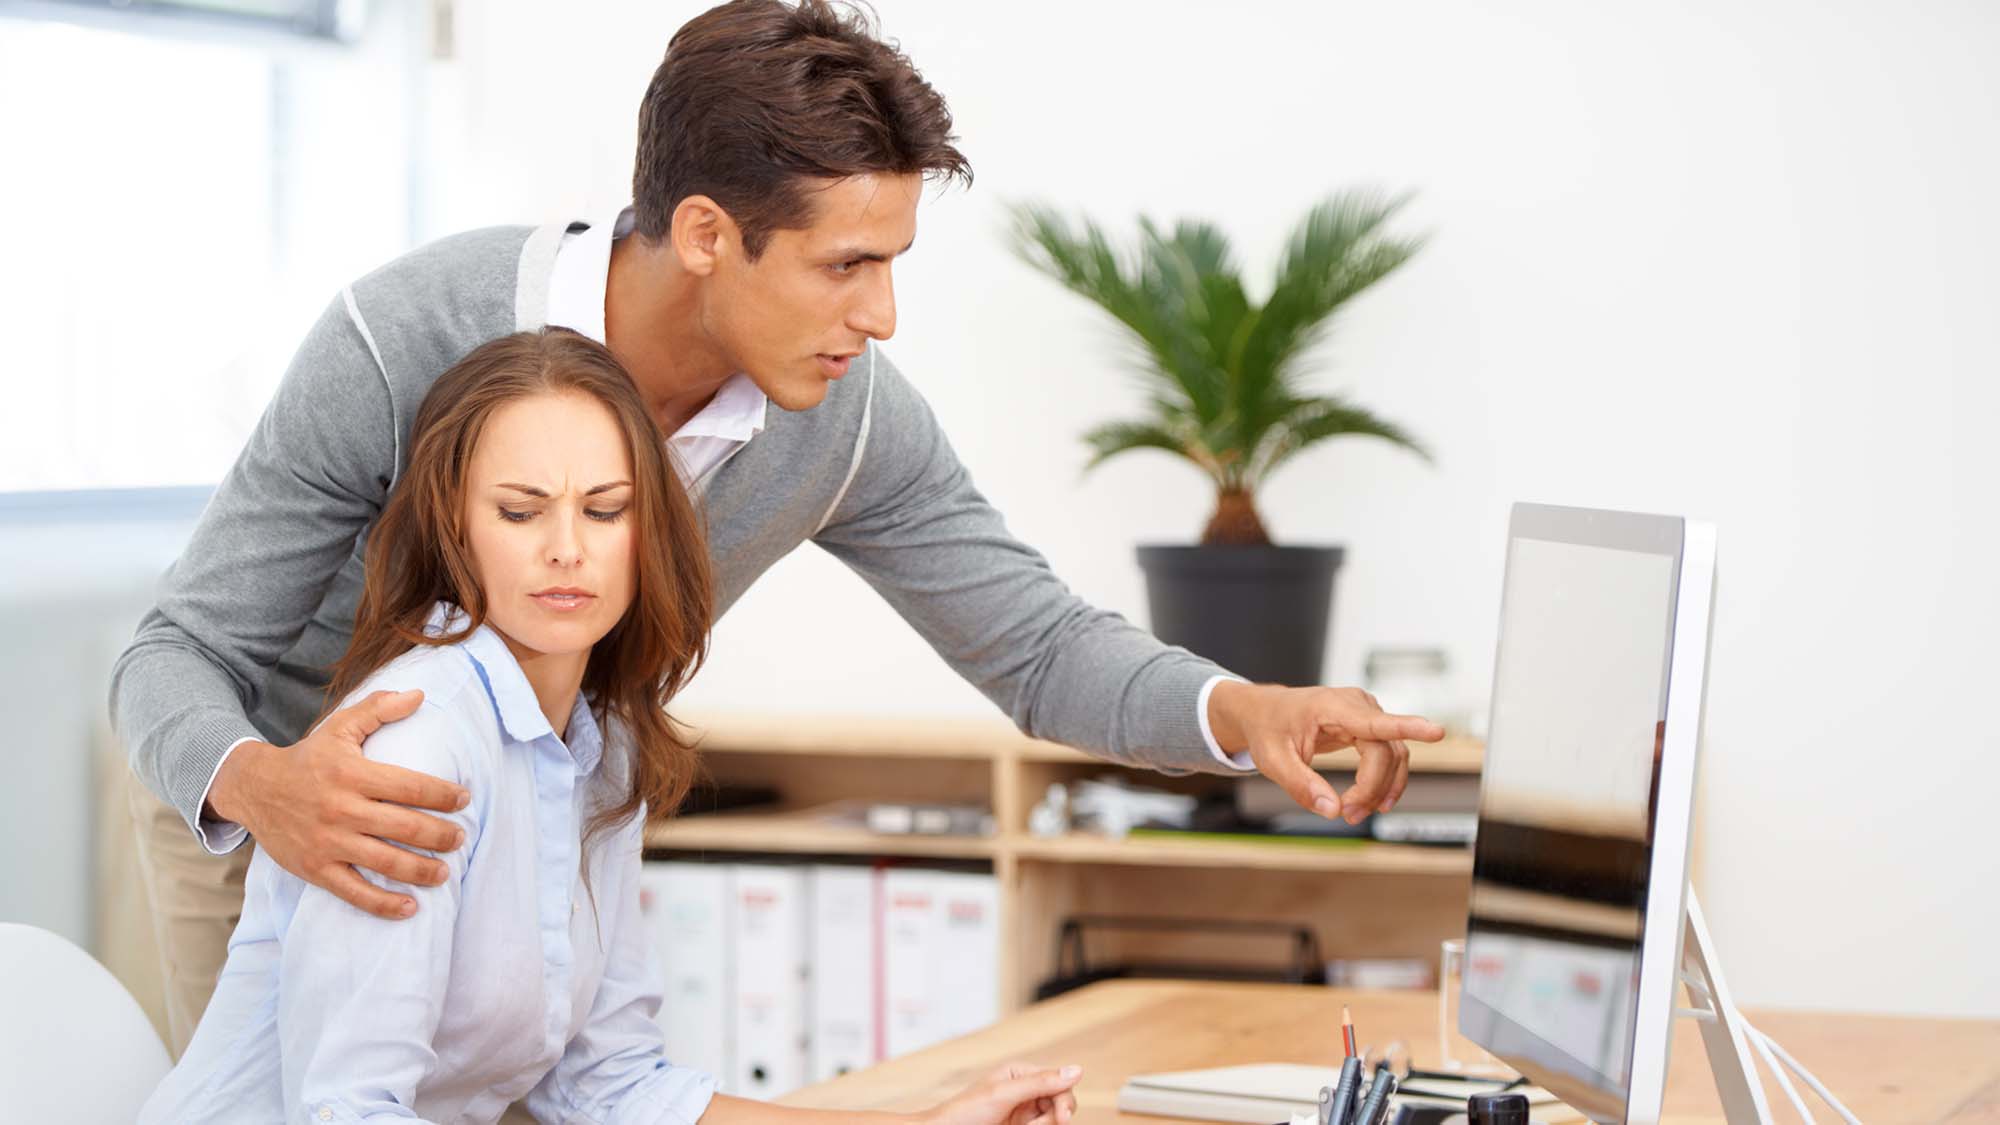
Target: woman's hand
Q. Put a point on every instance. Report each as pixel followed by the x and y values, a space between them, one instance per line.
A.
pixel 1015 1094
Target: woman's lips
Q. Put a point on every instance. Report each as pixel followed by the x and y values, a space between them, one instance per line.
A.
pixel 563 601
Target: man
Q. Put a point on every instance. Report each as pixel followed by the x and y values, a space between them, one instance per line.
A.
pixel 782 152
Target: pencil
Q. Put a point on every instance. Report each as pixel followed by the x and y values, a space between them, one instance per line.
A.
pixel 1347 1030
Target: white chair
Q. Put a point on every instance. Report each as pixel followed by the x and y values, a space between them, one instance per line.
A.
pixel 74 1045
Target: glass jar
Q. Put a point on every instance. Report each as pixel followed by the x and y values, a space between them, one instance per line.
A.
pixel 1409 681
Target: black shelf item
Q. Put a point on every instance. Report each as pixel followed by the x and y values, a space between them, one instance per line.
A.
pixel 1073 969
pixel 708 797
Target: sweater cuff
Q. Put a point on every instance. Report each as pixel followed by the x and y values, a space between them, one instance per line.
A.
pixel 200 759
pixel 1161 727
pixel 220 837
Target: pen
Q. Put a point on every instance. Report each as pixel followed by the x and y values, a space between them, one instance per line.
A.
pixel 1325 1105
pixel 1377 1105
pixel 1341 1112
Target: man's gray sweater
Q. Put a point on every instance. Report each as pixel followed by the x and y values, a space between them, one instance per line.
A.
pixel 262 600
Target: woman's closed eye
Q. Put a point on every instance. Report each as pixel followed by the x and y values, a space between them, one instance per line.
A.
pixel 523 515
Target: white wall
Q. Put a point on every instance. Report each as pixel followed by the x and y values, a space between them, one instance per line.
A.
pixel 1734 261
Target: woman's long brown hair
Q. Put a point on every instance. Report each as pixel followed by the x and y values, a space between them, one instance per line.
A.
pixel 417 554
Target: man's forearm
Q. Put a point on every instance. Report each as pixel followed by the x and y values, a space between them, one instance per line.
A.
pixel 916 529
pixel 178 716
pixel 280 525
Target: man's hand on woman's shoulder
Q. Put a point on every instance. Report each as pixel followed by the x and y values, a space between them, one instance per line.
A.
pixel 320 809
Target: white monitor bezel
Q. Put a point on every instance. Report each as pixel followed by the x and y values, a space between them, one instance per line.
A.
pixel 1691 546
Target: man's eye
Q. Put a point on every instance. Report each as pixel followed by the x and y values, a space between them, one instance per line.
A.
pixel 604 515
pixel 844 268
pixel 513 516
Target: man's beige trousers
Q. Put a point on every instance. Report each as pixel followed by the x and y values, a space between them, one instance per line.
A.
pixel 196 899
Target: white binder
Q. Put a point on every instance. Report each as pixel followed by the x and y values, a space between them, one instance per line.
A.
pixel 844 983
pixel 940 933
pixel 686 907
pixel 967 977
pixel 768 920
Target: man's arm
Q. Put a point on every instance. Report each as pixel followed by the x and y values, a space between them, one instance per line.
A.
pixel 915 528
pixel 313 474
pixel 912 524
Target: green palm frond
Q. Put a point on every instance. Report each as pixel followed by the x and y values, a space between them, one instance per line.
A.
pixel 1224 373
pixel 1085 263
pixel 1337 251
pixel 1317 419
pixel 1114 438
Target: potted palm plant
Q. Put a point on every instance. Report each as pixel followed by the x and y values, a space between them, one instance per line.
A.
pixel 1225 387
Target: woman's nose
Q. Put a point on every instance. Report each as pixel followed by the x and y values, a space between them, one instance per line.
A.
pixel 565 546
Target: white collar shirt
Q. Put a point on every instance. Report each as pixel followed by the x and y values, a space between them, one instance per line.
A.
pixel 576 301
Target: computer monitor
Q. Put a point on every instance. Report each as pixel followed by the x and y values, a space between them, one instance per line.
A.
pixel 1579 869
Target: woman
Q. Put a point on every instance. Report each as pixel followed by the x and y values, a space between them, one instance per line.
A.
pixel 540 577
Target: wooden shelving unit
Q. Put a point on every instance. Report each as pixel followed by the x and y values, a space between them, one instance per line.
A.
pixel 1275 855
pixel 807 832
pixel 1364 899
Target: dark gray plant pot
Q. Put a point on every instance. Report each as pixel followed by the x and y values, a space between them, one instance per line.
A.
pixel 1261 612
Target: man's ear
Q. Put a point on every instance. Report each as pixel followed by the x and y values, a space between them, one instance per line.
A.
pixel 702 233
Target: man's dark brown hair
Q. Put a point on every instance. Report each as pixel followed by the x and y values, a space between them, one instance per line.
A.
pixel 756 98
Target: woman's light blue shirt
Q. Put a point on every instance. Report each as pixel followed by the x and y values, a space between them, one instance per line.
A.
pixel 515 979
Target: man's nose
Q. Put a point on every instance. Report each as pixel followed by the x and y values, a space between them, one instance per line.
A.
pixel 875 315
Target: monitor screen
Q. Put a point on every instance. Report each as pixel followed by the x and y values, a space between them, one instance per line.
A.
pixel 1566 817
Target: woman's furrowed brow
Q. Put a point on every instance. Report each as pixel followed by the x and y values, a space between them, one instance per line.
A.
pixel 531 490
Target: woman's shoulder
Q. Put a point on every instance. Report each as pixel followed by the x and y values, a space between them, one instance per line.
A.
pixel 445 736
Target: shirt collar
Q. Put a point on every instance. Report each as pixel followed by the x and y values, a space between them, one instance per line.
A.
pixel 736 413
pixel 576 301
pixel 582 273
pixel 514 701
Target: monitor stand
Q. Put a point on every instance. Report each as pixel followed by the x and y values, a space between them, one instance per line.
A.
pixel 1722 1027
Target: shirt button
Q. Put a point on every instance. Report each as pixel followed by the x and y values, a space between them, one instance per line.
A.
pixel 325 1114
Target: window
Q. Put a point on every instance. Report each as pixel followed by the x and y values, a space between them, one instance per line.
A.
pixel 180 208
pixel 329 19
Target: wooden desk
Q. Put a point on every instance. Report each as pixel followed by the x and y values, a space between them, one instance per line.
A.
pixel 1886 1069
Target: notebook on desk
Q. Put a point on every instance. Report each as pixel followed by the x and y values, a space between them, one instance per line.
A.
pixel 1259 1094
